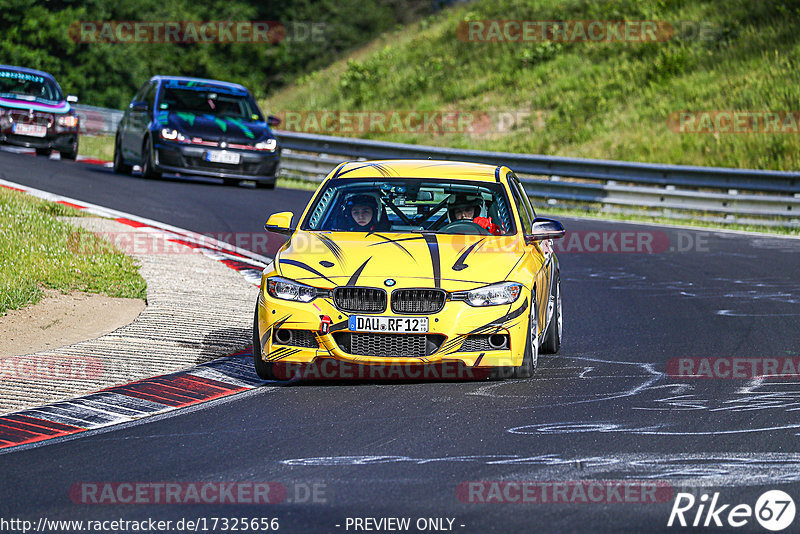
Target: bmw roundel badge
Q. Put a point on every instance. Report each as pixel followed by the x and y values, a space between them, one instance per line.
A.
pixel 389 282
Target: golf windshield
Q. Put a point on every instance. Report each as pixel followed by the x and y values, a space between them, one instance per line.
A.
pixel 208 100
pixel 411 205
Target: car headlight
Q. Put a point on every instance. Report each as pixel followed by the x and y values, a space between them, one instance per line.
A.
pixel 491 295
pixel 285 289
pixel 173 135
pixel 268 144
pixel 68 121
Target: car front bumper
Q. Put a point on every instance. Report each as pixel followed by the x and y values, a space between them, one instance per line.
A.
pixel 190 159
pixel 62 142
pixel 461 331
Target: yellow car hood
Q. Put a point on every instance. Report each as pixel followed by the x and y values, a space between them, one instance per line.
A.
pixel 452 262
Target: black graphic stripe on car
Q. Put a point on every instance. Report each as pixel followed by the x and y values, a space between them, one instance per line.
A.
pixel 308 268
pixel 459 265
pixel 354 278
pixel 433 249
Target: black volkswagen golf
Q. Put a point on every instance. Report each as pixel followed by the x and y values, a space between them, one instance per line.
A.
pixel 200 127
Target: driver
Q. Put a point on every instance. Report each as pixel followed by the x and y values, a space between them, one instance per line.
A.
pixel 361 213
pixel 464 207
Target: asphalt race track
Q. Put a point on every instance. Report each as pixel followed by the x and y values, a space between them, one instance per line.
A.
pixel 608 407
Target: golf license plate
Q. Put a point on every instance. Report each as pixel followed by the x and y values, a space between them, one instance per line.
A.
pixel 222 156
pixel 398 325
pixel 32 130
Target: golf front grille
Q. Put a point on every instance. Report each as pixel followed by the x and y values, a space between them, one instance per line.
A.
pixel 389 345
pixel 418 300
pixel 360 299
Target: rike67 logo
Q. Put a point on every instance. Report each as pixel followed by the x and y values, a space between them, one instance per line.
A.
pixel 774 510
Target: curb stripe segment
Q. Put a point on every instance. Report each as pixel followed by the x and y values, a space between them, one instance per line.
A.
pixel 119 404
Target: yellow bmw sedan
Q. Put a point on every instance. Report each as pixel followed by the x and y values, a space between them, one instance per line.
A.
pixel 410 266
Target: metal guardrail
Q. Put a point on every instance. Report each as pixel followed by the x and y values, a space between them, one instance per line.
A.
pixel 714 194
pixel 744 196
pixel 97 121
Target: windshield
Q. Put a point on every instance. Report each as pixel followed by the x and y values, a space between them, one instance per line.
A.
pixel 411 205
pixel 209 100
pixel 29 86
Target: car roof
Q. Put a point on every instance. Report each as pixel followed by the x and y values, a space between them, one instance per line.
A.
pixel 199 80
pixel 421 168
pixel 28 71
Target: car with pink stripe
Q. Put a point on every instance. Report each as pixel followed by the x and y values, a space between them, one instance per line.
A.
pixel 34 112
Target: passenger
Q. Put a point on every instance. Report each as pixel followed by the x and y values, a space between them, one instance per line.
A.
pixel 462 206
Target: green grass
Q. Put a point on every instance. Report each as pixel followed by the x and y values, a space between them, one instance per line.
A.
pixel 100 147
pixel 38 252
pixel 597 100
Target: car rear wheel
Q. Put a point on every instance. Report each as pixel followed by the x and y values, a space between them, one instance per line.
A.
pixel 120 167
pixel 147 161
pixel 263 369
pixel 552 339
pixel 43 152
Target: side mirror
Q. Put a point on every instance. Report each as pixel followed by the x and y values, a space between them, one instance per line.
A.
pixel 545 229
pixel 72 99
pixel 280 223
pixel 139 106
pixel 272 120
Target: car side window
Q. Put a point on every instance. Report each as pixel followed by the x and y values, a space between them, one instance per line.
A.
pixel 141 92
pixel 522 207
pixel 525 199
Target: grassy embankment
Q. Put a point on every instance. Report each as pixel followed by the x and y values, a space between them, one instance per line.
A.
pixel 606 100
pixel 39 252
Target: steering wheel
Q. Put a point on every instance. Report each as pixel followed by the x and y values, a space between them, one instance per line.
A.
pixel 464 226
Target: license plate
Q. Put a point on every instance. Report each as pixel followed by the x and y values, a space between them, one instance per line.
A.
pixel 401 325
pixel 32 130
pixel 222 156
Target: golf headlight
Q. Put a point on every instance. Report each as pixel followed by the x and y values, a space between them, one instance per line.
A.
pixel 267 144
pixel 491 295
pixel 68 121
pixel 172 135
pixel 285 289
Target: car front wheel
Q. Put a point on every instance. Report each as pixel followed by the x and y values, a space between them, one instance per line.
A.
pixel 263 369
pixel 147 161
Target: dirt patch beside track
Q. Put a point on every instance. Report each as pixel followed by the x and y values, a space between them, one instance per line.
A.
pixel 63 319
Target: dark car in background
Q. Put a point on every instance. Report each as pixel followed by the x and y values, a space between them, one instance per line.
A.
pixel 197 127
pixel 34 112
